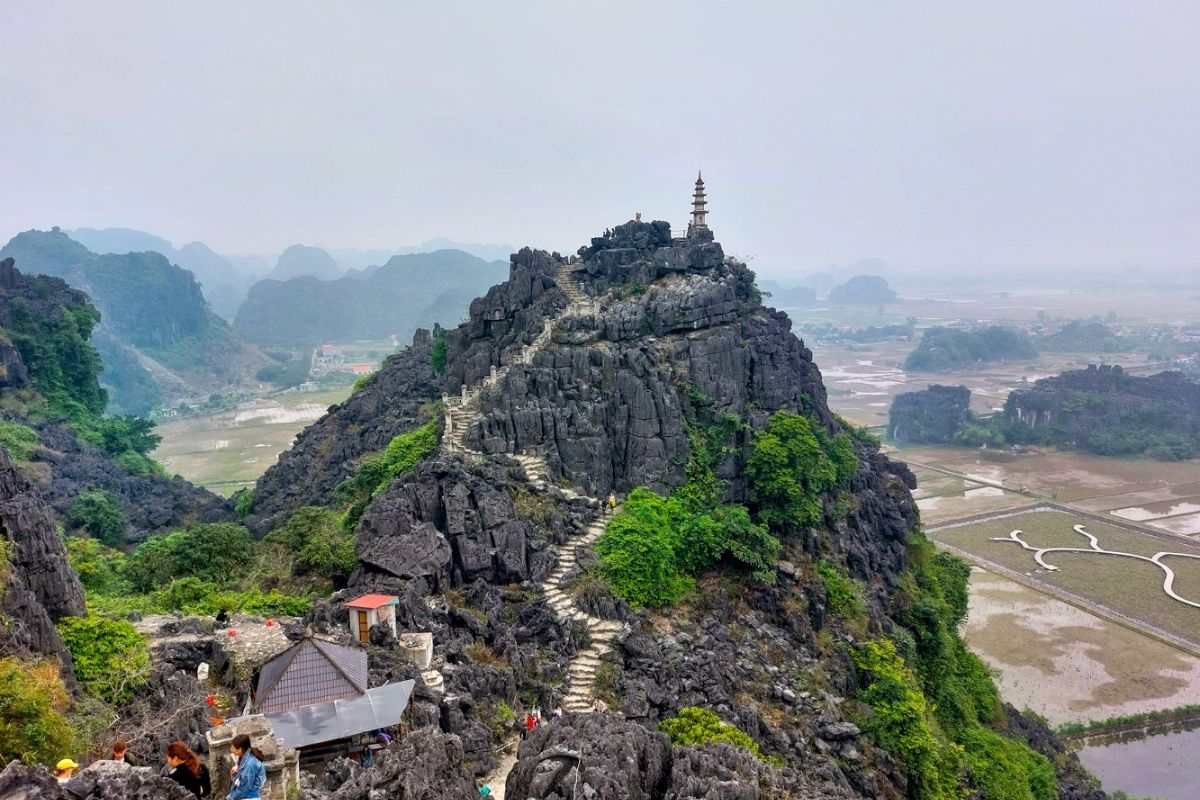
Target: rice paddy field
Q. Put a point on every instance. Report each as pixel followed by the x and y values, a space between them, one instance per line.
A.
pixel 1068 664
pixel 229 450
pixel 1129 587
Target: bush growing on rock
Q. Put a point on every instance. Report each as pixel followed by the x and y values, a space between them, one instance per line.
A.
pixel 694 725
pixel 214 552
pixel 19 440
pixel 33 702
pixel 376 471
pixel 792 463
pixel 101 515
pixel 109 655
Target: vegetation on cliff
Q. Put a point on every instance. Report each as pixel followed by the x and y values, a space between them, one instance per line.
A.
pixel 150 309
pixel 952 349
pixel 50 326
pixel 34 727
pixel 1100 410
pixel 935 415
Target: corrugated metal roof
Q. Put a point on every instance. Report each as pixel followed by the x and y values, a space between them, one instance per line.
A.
pixel 380 707
pixel 312 671
pixel 373 601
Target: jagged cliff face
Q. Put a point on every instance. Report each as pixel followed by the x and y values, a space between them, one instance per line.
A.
pixel 669 322
pixel 573 379
pixel 39 587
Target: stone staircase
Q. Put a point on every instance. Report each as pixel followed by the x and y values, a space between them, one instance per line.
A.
pixel 464 411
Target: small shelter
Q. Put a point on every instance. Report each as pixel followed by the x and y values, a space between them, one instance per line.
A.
pixel 369 609
pixel 309 672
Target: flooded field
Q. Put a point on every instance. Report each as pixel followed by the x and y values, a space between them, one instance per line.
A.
pixel 1066 663
pixel 229 450
pixel 1161 764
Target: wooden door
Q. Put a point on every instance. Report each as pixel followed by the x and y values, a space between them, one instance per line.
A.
pixel 363 628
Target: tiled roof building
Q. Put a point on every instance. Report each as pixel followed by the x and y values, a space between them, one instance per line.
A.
pixel 311 671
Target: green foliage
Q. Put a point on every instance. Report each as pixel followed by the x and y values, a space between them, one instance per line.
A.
pixel 319 542
pixel 360 384
pixel 1005 769
pixel 979 435
pixel 934 706
pixel 244 506
pixel 637 551
pixel 20 441
pixel 33 703
pixel 292 372
pixel 902 723
pixel 100 514
pixel 843 592
pixel 696 726
pixel 792 463
pixel 212 552
pixel 439 350
pixel 109 655
pixel 947 349
pixel 100 569
pixel 376 471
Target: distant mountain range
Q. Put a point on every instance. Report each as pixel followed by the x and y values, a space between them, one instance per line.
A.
pixel 408 292
pixel 158 339
pixel 224 286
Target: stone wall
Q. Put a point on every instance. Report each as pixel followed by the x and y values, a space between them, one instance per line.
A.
pixel 282 763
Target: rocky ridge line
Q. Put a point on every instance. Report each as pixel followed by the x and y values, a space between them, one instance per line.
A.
pixel 460 414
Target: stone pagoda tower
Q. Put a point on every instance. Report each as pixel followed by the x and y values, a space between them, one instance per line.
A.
pixel 699 212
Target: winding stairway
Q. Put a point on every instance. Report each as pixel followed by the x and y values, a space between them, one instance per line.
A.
pixel 464 411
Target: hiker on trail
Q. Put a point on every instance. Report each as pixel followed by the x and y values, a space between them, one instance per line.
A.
pixel 64 770
pixel 249 776
pixel 599 706
pixel 557 712
pixel 612 504
pixel 530 723
pixel 187 771
pixel 120 752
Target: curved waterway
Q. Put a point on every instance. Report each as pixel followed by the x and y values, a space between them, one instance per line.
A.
pixel 1160 764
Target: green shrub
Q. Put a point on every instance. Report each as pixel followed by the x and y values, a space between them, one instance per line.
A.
pixel 637 552
pixel 696 726
pixel 110 657
pixel 100 514
pixel 843 592
pixel 319 542
pixel 33 703
pixel 792 463
pixel 1004 769
pixel 244 506
pixel 217 553
pixel 376 471
pixel 439 350
pixel 99 568
pixel 19 440
pixel 902 723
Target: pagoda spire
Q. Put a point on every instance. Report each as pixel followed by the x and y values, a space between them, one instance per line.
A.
pixel 699 210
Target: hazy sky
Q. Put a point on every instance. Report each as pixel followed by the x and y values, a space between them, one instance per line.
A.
pixel 937 136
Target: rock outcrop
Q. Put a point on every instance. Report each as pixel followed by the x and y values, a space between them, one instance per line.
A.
pixel 41 587
pixel 102 780
pixel 931 416
pixel 326 452
pixel 152 503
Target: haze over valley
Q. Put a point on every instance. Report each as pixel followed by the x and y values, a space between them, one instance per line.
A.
pixel 631 402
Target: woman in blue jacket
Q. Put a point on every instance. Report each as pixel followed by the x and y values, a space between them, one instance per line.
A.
pixel 251 775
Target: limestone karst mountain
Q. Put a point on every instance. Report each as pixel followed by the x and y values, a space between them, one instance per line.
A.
pixel 647 361
pixel 406 293
pixel 159 340
pixel 223 285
